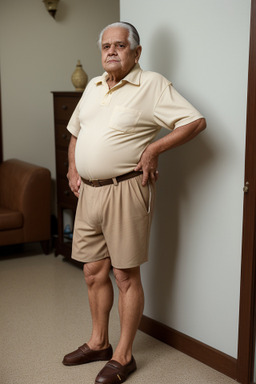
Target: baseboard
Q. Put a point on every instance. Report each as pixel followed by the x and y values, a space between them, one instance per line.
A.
pixel 192 347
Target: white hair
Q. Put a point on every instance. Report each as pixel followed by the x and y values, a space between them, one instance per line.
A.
pixel 133 38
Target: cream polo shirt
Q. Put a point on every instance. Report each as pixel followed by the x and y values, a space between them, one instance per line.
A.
pixel 114 126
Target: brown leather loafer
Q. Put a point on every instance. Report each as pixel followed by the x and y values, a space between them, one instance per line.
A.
pixel 84 355
pixel 115 373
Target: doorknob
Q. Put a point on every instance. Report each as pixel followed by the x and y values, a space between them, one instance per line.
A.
pixel 246 187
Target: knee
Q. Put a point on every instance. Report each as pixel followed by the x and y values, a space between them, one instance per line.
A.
pixel 89 274
pixel 127 278
pixel 122 279
pixel 96 273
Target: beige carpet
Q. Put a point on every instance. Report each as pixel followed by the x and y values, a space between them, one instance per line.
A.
pixel 44 315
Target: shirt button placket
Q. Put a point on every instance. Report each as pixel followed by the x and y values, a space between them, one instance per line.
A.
pixel 107 98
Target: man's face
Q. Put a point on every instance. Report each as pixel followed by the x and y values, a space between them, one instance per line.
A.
pixel 117 57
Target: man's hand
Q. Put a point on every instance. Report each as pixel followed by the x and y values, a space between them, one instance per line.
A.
pixel 74 181
pixel 148 165
pixel 149 159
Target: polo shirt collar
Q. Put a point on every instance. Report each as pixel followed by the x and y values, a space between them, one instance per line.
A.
pixel 133 77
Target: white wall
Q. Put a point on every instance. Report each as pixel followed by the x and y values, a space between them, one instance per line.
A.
pixel 193 277
pixel 38 55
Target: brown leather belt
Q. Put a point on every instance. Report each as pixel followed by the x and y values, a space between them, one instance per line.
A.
pixel 100 183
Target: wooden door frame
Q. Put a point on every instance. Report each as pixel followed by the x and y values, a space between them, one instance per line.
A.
pixel 1 135
pixel 246 337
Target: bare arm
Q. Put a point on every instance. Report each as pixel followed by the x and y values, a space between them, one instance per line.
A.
pixel 149 159
pixel 72 175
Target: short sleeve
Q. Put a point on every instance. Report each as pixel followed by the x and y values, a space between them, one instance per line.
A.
pixel 74 123
pixel 172 110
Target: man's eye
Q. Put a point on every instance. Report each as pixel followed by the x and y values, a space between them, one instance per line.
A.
pixel 106 47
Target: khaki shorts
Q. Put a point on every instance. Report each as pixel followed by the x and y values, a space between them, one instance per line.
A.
pixel 114 221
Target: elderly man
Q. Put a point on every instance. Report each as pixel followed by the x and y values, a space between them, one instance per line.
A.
pixel 112 170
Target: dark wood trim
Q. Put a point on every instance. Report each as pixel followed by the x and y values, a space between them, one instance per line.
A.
pixel 1 134
pixel 67 93
pixel 194 348
pixel 246 341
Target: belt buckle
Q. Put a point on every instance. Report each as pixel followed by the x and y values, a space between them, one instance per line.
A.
pixel 95 183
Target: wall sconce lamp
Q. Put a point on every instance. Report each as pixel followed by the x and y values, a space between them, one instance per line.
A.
pixel 51 6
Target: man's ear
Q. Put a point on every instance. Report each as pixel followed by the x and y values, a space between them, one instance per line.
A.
pixel 138 53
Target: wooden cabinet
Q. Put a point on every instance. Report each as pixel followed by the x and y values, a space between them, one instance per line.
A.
pixel 64 105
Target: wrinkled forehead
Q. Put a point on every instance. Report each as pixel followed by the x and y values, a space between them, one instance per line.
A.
pixel 115 34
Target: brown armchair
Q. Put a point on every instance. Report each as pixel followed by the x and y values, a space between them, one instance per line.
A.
pixel 25 204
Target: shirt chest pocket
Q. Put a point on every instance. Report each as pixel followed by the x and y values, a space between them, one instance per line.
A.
pixel 124 119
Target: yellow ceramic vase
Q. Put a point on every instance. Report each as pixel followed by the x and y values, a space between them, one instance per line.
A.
pixel 79 77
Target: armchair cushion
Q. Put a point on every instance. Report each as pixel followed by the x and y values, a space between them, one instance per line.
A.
pixel 10 219
pixel 25 202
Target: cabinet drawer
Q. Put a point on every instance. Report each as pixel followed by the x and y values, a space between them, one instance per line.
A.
pixel 64 193
pixel 62 136
pixel 64 107
pixel 62 163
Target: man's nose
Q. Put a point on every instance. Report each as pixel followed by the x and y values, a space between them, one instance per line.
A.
pixel 112 49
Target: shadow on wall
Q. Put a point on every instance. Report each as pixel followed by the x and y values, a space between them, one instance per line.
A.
pixel 178 169
pixel 164 52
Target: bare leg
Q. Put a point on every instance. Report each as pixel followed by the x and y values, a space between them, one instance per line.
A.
pixel 131 304
pixel 100 293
